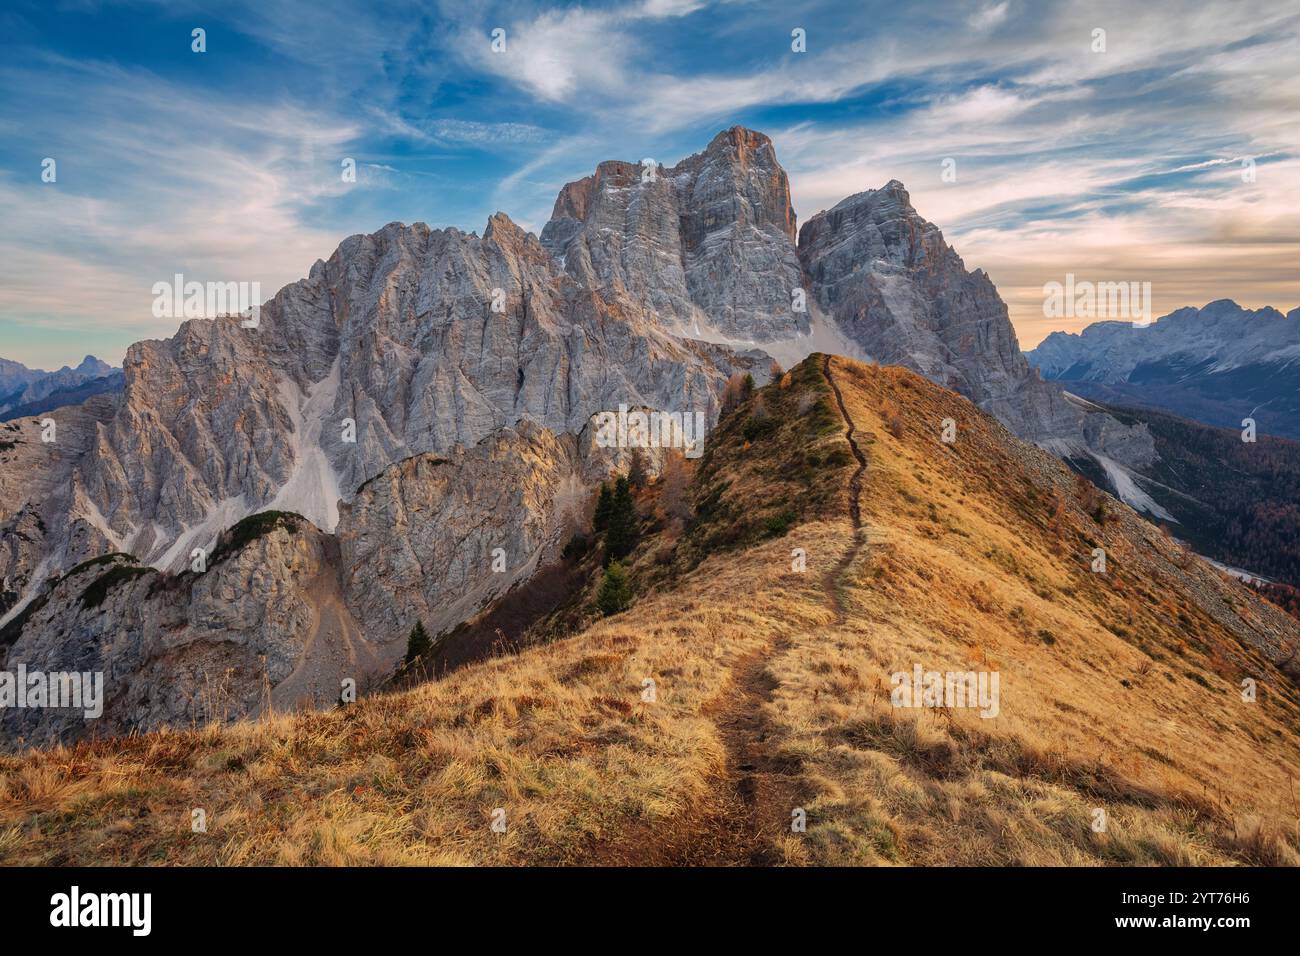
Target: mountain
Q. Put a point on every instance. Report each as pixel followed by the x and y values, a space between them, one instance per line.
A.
pixel 706 245
pixel 414 350
pixel 709 249
pixel 15 376
pixel 740 693
pixel 1219 364
pixel 396 340
pixel 896 288
pixel 25 391
pixel 64 395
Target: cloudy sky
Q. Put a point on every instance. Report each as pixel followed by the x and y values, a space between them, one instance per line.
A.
pixel 1125 164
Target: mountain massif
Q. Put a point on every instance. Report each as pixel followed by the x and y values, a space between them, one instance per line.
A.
pixel 1219 364
pixel 407 434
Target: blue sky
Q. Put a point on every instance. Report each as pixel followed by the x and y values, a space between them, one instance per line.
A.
pixel 1122 164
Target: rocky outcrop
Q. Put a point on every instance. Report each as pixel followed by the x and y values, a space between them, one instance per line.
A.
pixel 283 612
pixel 706 244
pixel 39 458
pixel 893 285
pixel 436 539
pixel 262 627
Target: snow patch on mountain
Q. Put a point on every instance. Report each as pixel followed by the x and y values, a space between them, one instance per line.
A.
pixel 823 336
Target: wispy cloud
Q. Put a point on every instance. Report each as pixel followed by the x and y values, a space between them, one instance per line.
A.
pixel 227 165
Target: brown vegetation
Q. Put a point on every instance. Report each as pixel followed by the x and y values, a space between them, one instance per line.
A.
pixel 771 690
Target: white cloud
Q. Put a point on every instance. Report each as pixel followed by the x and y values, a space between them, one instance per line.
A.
pixel 990 16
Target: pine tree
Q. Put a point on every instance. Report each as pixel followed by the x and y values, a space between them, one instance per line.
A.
pixel 615 590
pixel 418 644
pixel 604 506
pixel 623 525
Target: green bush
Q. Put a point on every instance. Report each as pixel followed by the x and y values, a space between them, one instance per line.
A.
pixel 756 428
pixel 779 524
pixel 615 591
pixel 98 589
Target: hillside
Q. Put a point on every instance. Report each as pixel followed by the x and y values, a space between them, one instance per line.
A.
pixel 772 687
pixel 1237 502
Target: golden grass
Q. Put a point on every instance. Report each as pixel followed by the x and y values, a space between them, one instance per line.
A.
pixel 960 570
pixel 1187 772
pixel 559 737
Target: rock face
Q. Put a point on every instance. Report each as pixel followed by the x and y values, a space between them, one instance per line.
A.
pixel 283 614
pixel 1216 364
pixel 423 398
pixel 408 341
pixel 437 538
pixel 893 285
pixel 197 647
pixel 707 243
pixel 38 490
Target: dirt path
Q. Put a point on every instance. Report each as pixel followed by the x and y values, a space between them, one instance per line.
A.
pixel 759 789
pixel 836 575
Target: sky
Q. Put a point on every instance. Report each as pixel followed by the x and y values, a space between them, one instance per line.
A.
pixel 1117 164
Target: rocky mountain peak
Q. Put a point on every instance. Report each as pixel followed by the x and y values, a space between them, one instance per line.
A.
pixel 705 246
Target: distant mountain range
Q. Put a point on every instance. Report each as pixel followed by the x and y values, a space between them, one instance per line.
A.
pixel 1219 364
pixel 25 391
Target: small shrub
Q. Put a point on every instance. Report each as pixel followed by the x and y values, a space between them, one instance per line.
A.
pixel 759 427
pixel 98 589
pixel 615 590
pixel 779 524
pixel 577 548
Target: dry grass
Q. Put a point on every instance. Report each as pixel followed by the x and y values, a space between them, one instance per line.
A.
pixel 959 574
pixel 969 564
pixel 559 737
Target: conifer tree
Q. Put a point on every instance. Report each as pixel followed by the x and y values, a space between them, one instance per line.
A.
pixel 604 505
pixel 622 529
pixel 418 643
pixel 615 590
